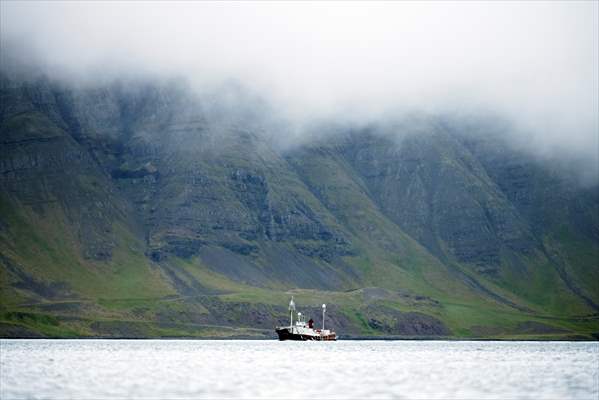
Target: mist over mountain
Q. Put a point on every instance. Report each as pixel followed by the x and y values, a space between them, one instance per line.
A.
pixel 183 170
pixel 533 63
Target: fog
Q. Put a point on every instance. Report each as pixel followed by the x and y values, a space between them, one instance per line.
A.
pixel 535 63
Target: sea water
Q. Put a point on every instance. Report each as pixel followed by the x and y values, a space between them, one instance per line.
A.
pixel 191 369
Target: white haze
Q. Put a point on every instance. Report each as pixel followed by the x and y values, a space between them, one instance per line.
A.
pixel 534 62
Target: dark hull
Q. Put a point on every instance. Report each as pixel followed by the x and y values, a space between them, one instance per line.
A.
pixel 285 334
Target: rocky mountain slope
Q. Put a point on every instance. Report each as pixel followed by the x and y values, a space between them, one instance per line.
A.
pixel 138 209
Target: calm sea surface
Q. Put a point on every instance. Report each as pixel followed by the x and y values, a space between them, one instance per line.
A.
pixel 184 369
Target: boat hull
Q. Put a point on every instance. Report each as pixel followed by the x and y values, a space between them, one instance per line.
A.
pixel 286 334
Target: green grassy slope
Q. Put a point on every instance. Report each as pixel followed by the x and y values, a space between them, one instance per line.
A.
pixel 132 296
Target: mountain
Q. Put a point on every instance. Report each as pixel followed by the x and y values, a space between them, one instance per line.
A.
pixel 136 209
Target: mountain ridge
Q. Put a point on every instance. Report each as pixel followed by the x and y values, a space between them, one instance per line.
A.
pixel 152 209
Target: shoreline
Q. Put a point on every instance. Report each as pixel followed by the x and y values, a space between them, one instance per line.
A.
pixel 340 339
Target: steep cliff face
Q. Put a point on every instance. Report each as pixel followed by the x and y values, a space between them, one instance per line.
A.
pixel 433 187
pixel 477 201
pixel 147 203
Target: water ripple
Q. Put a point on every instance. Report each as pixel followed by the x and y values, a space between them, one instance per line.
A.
pixel 185 369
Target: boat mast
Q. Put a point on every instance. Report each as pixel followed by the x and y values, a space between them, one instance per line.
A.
pixel 291 310
pixel 324 308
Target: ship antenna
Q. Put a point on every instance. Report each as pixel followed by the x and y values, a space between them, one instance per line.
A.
pixel 324 309
pixel 291 310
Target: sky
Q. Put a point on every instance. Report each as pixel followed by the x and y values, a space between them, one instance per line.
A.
pixel 534 62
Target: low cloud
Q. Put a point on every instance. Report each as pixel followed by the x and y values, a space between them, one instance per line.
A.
pixel 536 63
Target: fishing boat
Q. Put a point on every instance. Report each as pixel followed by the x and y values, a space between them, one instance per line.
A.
pixel 303 330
